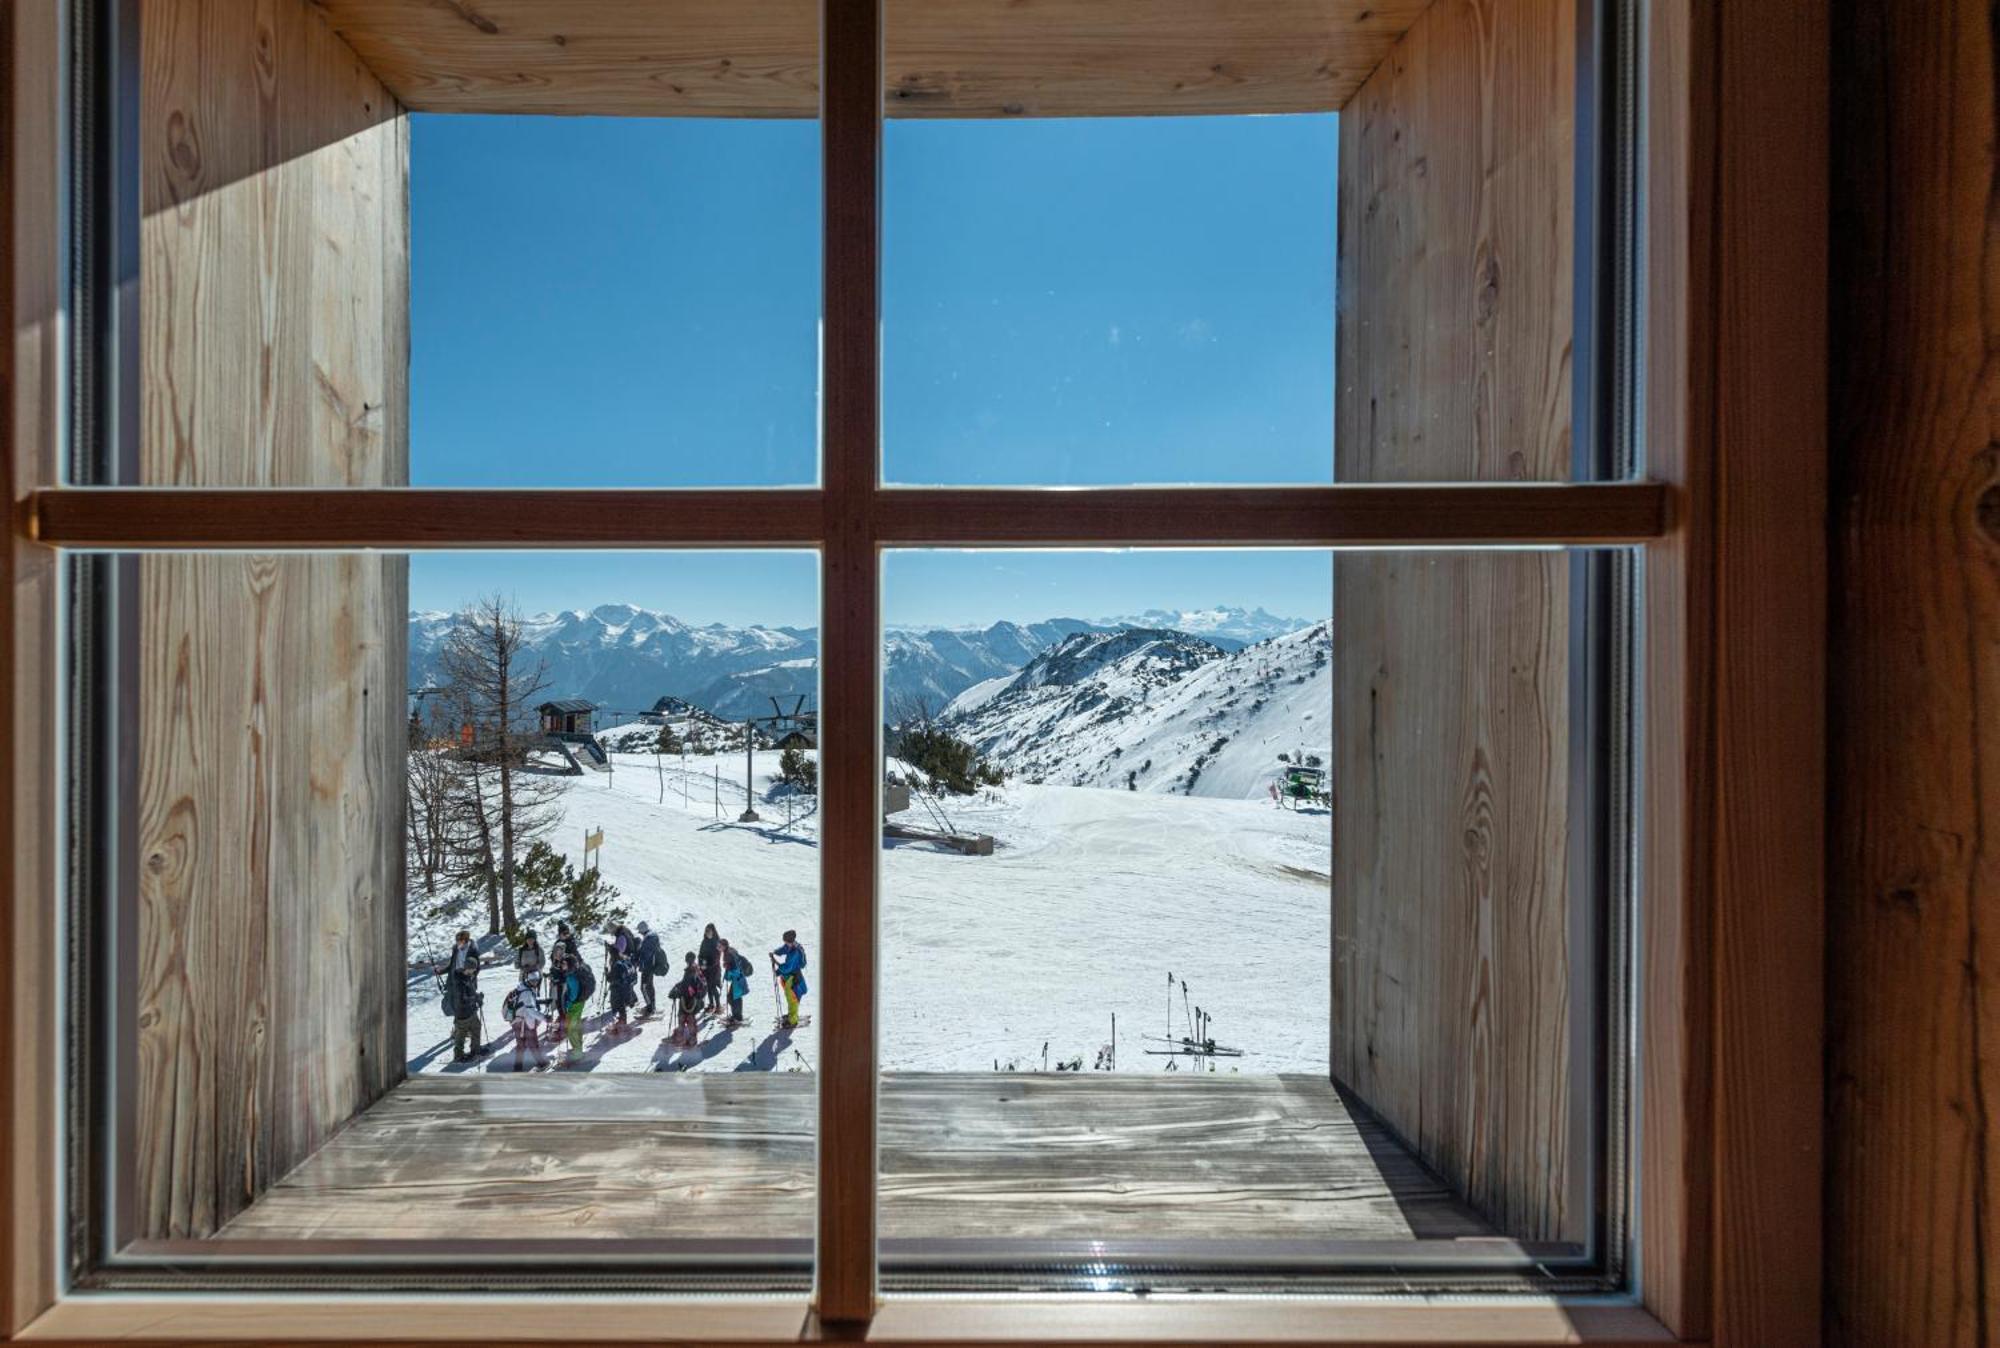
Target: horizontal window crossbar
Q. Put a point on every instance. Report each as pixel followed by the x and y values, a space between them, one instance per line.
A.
pixel 1420 515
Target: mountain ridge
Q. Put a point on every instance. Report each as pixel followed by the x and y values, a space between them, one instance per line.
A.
pixel 625 656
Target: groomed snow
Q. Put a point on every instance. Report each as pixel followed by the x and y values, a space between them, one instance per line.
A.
pixel 1091 899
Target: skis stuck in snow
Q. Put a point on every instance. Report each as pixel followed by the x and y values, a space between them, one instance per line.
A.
pixel 1198 1043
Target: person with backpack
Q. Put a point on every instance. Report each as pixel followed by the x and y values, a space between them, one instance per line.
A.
pixel 711 966
pixel 624 990
pixel 735 981
pixel 652 961
pixel 462 997
pixel 523 1008
pixel 578 985
pixel 687 996
pixel 788 965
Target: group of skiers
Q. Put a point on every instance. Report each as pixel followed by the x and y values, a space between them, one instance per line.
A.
pixel 555 987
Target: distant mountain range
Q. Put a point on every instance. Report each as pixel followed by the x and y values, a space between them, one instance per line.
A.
pixel 625 658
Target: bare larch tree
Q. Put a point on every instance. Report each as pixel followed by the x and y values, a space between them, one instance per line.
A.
pixel 492 682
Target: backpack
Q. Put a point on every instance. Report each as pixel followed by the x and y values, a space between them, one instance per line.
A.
pixel 586 981
pixel 653 955
pixel 802 956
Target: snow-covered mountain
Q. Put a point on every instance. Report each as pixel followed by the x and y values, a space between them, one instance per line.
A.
pixel 1157 710
pixel 1226 626
pixel 935 666
pixel 626 658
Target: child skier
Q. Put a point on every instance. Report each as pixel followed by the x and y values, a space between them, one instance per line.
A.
pixel 650 960
pixel 624 990
pixel 579 986
pixel 687 996
pixel 523 1007
pixel 788 963
pixel 736 981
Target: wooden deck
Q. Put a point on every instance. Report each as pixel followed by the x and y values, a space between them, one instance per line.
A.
pixel 979 1156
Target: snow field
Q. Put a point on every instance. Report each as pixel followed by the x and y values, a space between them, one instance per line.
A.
pixel 1092 898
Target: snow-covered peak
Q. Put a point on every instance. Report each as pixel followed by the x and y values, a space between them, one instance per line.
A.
pixel 1152 710
pixel 1141 655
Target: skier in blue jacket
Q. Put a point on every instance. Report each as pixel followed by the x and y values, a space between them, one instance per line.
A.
pixel 788 964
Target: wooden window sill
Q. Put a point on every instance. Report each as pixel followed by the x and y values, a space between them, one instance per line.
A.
pixel 915 1320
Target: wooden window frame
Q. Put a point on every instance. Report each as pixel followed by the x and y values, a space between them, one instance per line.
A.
pixel 1731 528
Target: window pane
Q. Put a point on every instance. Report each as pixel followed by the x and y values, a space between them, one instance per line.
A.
pixel 1109 300
pixel 613 302
pixel 1246 925
pixel 337 291
pixel 1277 244
pixel 457 888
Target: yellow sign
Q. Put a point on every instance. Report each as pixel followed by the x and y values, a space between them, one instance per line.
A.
pixel 593 841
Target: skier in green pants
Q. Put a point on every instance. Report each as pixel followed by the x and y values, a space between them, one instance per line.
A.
pixel 788 962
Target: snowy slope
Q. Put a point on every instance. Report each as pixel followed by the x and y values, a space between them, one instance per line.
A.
pixel 1157 711
pixel 1091 900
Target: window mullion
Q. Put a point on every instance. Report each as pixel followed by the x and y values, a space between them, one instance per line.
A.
pixel 850 676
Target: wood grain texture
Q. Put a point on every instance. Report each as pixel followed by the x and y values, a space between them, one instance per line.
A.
pixel 975 1156
pixel 1913 916
pixel 1768 451
pixel 269 784
pixel 850 770
pixel 273 252
pixel 33 402
pixel 269 836
pixel 955 58
pixel 1451 963
pixel 1353 515
pixel 1674 1125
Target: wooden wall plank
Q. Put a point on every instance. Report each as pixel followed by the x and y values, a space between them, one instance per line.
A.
pixel 1451 972
pixel 1913 950
pixel 269 781
pixel 944 58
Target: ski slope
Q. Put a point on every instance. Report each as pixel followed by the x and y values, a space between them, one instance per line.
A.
pixel 1090 900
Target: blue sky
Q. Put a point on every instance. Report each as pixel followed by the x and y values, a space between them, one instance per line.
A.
pixel 1064 302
